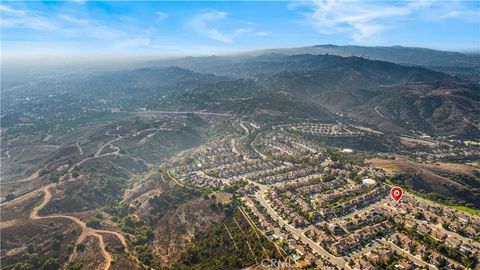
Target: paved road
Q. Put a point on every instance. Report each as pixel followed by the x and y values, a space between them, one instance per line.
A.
pixel 306 147
pixel 340 262
pixel 438 226
pixel 410 256
pixel 263 156
pixel 180 184
pixel 365 250
pixel 184 112
pixel 366 209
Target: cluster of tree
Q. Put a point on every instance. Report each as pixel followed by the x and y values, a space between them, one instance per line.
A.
pixel 9 197
pixel 468 260
pixel 75 265
pixel 105 191
pixel 220 248
pixel 170 199
pixel 386 263
pixel 142 238
pixel 33 261
pixel 51 264
pixel 232 188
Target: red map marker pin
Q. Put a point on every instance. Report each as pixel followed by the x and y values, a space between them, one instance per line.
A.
pixel 396 193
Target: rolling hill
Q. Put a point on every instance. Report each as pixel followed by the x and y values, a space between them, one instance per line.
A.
pixel 389 96
pixel 393 97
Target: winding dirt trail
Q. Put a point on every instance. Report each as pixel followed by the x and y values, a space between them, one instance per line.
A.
pixel 97 154
pixel 86 231
pixel 65 177
pixel 379 113
pixel 29 178
pixel 80 150
pixel 244 128
pixel 24 197
pixel 109 143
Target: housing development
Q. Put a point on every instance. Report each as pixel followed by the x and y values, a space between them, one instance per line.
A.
pixel 321 210
pixel 190 135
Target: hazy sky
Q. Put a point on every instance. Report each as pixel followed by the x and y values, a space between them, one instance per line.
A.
pixel 192 28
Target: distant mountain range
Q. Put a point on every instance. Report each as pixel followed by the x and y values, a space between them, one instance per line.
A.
pixel 393 97
pixel 463 65
pixel 394 54
pixel 389 96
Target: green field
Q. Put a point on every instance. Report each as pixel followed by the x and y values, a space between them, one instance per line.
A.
pixel 469 210
pixel 465 209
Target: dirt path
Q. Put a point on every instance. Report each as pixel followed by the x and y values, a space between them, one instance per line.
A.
pixel 117 234
pixel 246 239
pixel 97 154
pixel 234 149
pixel 379 113
pixel 6 155
pixel 86 231
pixel 36 174
pixel 244 128
pixel 80 150
pixel 29 178
pixel 109 143
pixel 231 237
pixel 25 196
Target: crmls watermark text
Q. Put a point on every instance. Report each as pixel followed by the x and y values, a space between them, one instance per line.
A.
pixel 274 263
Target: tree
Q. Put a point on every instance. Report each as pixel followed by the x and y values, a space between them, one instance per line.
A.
pixel 56 244
pixel 81 247
pixel 54 178
pixel 51 264
pixel 445 225
pixel 441 262
pixel 22 266
pixel 426 256
pixel 419 215
pixel 70 247
pixel 30 248
pixel 315 237
pixel 93 222
pixel 74 266
pixel 9 197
